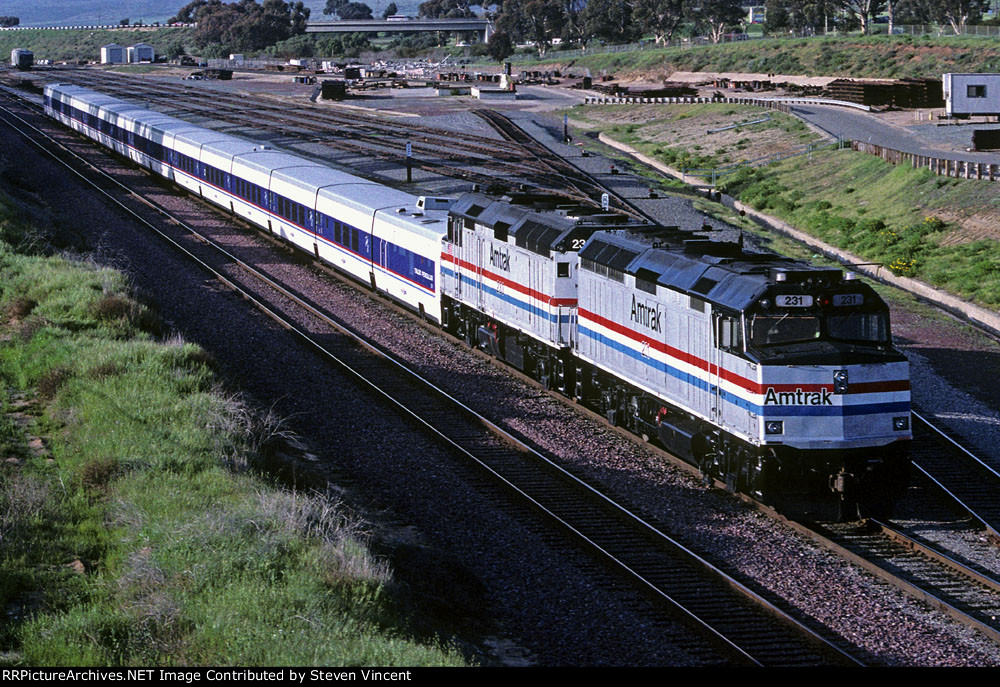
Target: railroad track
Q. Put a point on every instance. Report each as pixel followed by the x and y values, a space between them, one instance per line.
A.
pixel 584 184
pixel 970 596
pixel 738 624
pixel 862 547
pixel 971 484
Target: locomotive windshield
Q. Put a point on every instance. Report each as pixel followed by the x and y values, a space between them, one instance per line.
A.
pixel 770 329
pixel 857 326
pixel 785 328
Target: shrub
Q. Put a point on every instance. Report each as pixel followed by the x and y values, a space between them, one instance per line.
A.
pixel 19 308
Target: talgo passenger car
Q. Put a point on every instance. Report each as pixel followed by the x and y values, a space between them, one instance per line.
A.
pixel 376 234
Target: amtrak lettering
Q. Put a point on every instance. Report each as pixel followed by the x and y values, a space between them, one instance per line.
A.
pixel 647 315
pixel 798 398
pixel 500 259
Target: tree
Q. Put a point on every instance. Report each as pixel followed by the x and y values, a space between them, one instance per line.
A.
pixel 958 13
pixel 715 16
pixel 187 13
pixel 797 15
pixel 574 27
pixel 777 16
pixel 661 17
pixel 862 10
pixel 354 11
pixel 545 22
pixel 500 46
pixel 334 6
pixel 610 20
pixel 913 12
pixel 243 26
pixel 173 47
pixel 817 14
pixel 446 9
pixel 390 10
pixel 299 18
pixel 9 21
pixel 537 21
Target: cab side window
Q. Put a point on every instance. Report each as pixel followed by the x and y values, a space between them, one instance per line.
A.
pixel 729 333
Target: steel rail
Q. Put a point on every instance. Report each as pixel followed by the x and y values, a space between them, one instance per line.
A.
pixel 920 588
pixel 952 491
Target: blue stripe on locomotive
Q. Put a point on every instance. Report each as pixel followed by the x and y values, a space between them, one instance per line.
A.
pixel 535 310
pixel 763 411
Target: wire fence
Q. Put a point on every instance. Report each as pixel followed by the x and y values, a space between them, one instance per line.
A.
pixel 736 37
pixel 596 49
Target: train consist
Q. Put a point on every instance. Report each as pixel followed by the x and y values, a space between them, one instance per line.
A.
pixel 776 376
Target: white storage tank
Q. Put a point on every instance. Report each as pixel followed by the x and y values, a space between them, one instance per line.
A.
pixel 971 94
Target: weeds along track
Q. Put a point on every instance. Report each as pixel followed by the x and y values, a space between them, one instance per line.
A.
pixel 730 621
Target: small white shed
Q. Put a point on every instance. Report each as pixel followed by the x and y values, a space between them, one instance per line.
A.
pixel 141 52
pixel 112 53
pixel 971 94
pixel 21 58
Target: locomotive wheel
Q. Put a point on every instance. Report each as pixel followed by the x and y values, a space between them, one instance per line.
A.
pixel 768 482
pixel 848 509
pixel 883 487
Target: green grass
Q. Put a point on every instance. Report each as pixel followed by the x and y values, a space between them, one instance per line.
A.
pixel 145 534
pixel 883 213
pixel 79 44
pixel 853 56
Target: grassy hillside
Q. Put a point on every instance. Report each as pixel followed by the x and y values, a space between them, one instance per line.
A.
pixel 86 45
pixel 873 56
pixel 134 526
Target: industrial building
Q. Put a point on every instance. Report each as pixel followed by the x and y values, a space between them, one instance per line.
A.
pixel 971 94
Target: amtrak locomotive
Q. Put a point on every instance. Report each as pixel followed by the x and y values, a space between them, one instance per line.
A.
pixel 775 376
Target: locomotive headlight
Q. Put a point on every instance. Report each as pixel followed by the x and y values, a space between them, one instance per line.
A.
pixel 774 427
pixel 840 381
pixel 901 423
